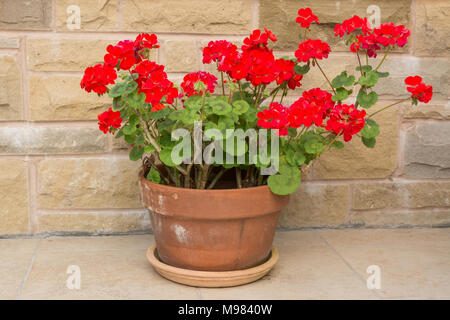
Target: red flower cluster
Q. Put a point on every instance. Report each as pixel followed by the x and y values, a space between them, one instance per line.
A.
pixel 275 117
pixel 223 52
pixel 127 53
pixel 372 40
pixel 109 119
pixel 312 107
pixel 312 49
pixel 152 81
pixel 418 89
pixel 306 17
pixel 190 79
pixel 255 63
pixel 96 78
pixel 352 24
pixel 346 120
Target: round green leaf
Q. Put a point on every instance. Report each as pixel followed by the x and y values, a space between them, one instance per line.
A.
pixel 367 100
pixel 220 107
pixel 240 106
pixel 283 184
pixel 136 153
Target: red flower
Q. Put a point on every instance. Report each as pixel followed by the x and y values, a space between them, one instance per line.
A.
pixel 145 40
pixel 153 82
pixel 190 79
pixel 294 82
pixel 306 17
pixel 122 53
pixel 418 89
pixel 109 119
pixel 312 49
pixel 352 24
pixel 372 40
pixel 346 120
pixel 223 52
pixel 96 78
pixel 274 118
pixel 270 34
pixel 284 70
pixel 312 107
pixel 258 39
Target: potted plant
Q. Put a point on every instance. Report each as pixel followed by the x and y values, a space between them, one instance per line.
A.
pixel 222 154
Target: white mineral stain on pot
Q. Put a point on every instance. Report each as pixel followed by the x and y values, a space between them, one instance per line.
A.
pixel 181 233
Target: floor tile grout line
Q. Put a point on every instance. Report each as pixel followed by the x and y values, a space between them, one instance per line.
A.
pixel 22 285
pixel 347 264
pixel 199 293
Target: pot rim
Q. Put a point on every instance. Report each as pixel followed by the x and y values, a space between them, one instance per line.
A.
pixel 216 204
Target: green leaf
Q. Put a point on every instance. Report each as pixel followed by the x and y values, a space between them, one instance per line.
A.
pixel 367 100
pixel 286 182
pixel 341 94
pixel 117 104
pixel 136 100
pixel 149 148
pixel 129 129
pixel 383 74
pixel 370 130
pixel 153 175
pixel 301 69
pixel 370 143
pixel 121 88
pixel 240 106
pixel 365 68
pixel 313 146
pixel 130 139
pixel 338 144
pixel 343 80
pixel 136 153
pixel 166 157
pixel 369 80
pixel 292 132
pixel 156 115
pixel 194 102
pixel 220 107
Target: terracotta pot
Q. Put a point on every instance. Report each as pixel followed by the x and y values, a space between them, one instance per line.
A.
pixel 212 230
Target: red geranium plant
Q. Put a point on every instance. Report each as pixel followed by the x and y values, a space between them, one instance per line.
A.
pixel 147 108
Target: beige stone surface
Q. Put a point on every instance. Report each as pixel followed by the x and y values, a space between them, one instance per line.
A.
pixel 108 271
pixel 11 105
pixel 96 223
pixel 51 139
pixel 88 183
pixel 60 54
pixel 280 15
pixel 356 161
pixel 414 263
pixel 401 195
pixel 427 150
pixel 434 71
pixel 208 16
pixel 15 259
pixel 432 110
pixel 96 15
pixel 307 269
pixel 432 28
pixel 316 205
pixel 25 14
pixel 14 217
pixel 9 43
pixel 401 218
pixel 61 98
pixel 182 56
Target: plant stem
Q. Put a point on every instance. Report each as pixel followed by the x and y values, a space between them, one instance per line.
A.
pixel 216 178
pixel 391 105
pixel 238 178
pixel 328 80
pixel 223 84
pixel 384 58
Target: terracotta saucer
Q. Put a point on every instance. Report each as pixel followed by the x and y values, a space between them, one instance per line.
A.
pixel 211 279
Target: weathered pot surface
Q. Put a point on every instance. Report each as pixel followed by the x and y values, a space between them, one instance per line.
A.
pixel 212 230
